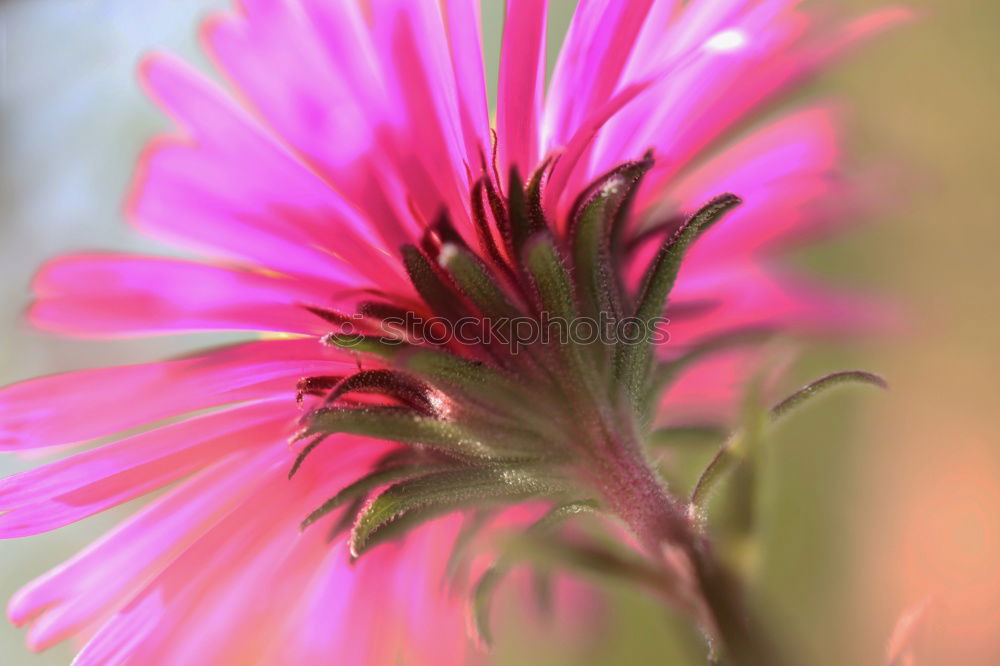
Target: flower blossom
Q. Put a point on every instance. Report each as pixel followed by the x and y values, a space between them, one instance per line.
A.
pixel 350 201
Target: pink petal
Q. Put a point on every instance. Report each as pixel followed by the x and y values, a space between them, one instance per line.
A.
pixel 102 295
pixel 785 172
pixel 464 23
pixel 258 546
pixel 79 592
pixel 63 492
pixel 521 83
pixel 76 406
pixel 751 297
pixel 596 47
pixel 374 108
pixel 277 213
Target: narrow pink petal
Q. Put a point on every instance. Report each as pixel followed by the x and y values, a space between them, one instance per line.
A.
pixel 785 171
pixel 63 492
pixel 752 297
pixel 256 546
pixel 76 406
pixel 465 38
pixel 430 144
pixel 709 391
pixel 521 83
pixel 556 190
pixel 596 48
pixel 78 593
pixel 102 295
pixel 138 630
pixel 278 213
pixel 365 105
pixel 274 53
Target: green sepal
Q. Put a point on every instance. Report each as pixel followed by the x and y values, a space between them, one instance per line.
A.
pixel 476 281
pixel 696 435
pixel 384 347
pixel 469 380
pixel 592 225
pixel 551 280
pixel 523 223
pixel 554 291
pixel 486 585
pixel 632 361
pixel 533 197
pixel 390 383
pixel 398 424
pixel 410 503
pixel 365 485
pixel 439 296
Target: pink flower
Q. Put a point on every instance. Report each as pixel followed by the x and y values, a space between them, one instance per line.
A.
pixel 350 130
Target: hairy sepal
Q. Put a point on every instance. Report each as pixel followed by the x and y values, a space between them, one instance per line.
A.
pixel 410 503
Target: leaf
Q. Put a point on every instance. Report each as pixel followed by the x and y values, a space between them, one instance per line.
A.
pixel 410 503
pixel 735 448
pixel 822 385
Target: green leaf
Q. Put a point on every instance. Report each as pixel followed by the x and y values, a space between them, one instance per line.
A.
pixel 822 385
pixel 737 446
pixel 410 503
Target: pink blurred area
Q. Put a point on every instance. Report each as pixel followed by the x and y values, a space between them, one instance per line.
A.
pixel 918 558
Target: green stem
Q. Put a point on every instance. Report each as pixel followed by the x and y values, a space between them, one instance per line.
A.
pixel 660 522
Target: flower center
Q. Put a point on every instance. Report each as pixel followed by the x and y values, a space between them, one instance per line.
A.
pixel 526 368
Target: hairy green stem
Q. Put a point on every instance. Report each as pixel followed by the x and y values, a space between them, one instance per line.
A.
pixel 703 586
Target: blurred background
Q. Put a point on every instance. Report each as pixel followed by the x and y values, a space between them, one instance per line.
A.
pixel 877 503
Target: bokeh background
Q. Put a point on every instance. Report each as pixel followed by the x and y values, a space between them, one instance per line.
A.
pixel 875 504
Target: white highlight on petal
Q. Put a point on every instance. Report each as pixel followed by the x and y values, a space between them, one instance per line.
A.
pixel 726 41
